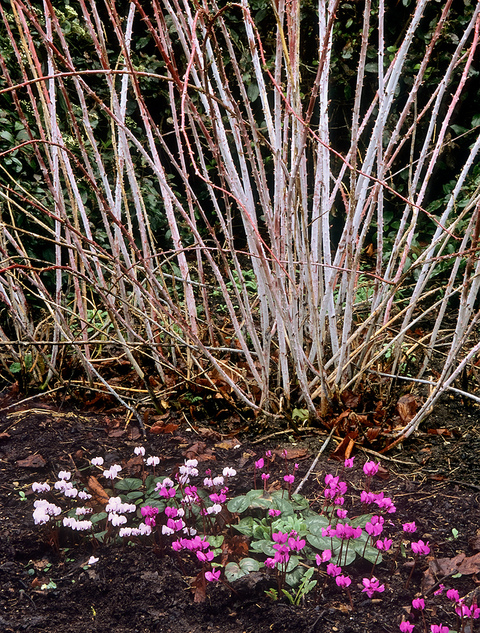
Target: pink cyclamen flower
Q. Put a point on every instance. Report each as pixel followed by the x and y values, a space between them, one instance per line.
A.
pixel 282 555
pixel 343 581
pixel 418 603
pixel 205 557
pixel 374 527
pixel 372 585
pixel 406 627
pixel 333 570
pixel 439 591
pixel 370 468
pixel 420 548
pixel 452 594
pixel 268 453
pixel 464 611
pixel 274 513
pixel 270 563
pixel 385 545
pixel 324 557
pixel 213 576
pixel 342 514
pixel 409 527
pixel 349 462
pixel 438 628
pixel 296 544
pixel 260 463
pixel 265 476
pixel 280 537
pixel 289 479
pixel 367 497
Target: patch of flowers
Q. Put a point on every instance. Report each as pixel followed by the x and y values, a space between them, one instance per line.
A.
pixel 297 543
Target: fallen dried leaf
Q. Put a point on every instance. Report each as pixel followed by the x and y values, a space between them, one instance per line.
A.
pixel 407 406
pixel 228 444
pixel 350 399
pixel 4 436
pixel 161 428
pixel 100 497
pixel 292 453
pixel 474 542
pixel 344 449
pixel 32 461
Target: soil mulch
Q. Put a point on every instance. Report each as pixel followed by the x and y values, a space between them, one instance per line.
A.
pixel 433 479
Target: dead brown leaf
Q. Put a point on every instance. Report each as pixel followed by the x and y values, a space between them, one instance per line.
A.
pixel 228 444
pixel 100 497
pixel 470 565
pixel 291 453
pixel 199 451
pixel 32 461
pixel 407 406
pixel 209 434
pixel 474 542
pixel 350 399
pixel 344 449
pixel 199 586
pixel 4 436
pixel 161 428
pixel 438 568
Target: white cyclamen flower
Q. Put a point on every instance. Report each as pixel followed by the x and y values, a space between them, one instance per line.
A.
pixel 139 450
pixel 97 461
pixel 36 487
pixel 64 474
pixel 229 472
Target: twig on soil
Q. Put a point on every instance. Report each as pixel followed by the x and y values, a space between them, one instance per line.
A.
pixel 389 459
pixel 314 463
pixel 267 437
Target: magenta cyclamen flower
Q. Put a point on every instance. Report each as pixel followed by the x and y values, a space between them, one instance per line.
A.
pixel 409 527
pixel 333 570
pixel 374 527
pixel 343 581
pixel 296 544
pixel 438 628
pixel 324 557
pixel 418 603
pixel 370 468
pixel 385 545
pixel 274 513
pixel 406 627
pixel 452 594
pixel 280 537
pixel 420 548
pixel 371 585
pixel 260 463
pixel 349 462
pixel 213 576
pixel 149 512
pixel 289 479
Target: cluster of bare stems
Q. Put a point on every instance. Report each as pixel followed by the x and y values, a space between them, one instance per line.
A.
pixel 257 155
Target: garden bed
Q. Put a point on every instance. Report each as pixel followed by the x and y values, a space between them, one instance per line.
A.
pixel 433 480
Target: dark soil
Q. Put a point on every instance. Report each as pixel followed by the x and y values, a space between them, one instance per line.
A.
pixel 434 479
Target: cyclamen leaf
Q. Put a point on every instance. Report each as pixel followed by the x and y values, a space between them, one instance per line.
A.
pixel 131 483
pixel 238 505
pixel 245 526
